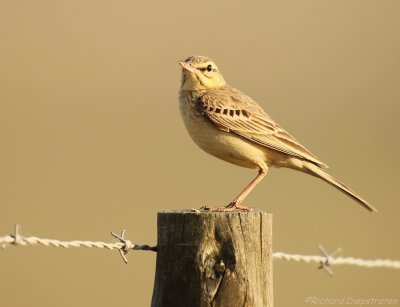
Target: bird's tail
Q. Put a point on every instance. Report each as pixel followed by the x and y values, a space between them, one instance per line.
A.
pixel 320 173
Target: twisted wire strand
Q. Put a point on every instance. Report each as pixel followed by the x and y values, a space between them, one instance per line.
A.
pixel 124 246
pixel 25 241
pixel 375 263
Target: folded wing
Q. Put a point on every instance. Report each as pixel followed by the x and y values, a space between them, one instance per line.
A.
pixel 233 111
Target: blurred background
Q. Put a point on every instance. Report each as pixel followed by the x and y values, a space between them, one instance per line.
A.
pixel 91 139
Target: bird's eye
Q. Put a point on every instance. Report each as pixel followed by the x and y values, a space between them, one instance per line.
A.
pixel 209 67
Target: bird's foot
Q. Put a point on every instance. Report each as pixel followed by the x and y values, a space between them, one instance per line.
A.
pixel 231 207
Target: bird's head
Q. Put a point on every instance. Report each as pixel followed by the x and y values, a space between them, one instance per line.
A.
pixel 200 73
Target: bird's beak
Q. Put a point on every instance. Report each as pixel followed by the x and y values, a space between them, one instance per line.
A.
pixel 187 67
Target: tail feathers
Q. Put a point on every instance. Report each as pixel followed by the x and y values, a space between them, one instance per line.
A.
pixel 320 173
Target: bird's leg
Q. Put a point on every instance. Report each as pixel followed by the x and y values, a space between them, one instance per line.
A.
pixel 236 203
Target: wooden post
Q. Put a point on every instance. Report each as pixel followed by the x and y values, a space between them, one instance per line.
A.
pixel 213 259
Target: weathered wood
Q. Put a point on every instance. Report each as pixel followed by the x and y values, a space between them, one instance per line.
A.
pixel 213 259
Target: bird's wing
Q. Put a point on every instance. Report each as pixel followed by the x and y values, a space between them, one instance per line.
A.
pixel 233 111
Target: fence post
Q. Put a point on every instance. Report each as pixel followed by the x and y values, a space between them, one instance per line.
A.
pixel 213 259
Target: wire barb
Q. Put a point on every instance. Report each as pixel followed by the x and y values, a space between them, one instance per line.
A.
pixel 325 264
pixel 16 234
pixel 127 245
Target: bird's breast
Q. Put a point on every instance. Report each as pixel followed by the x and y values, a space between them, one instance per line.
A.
pixel 221 144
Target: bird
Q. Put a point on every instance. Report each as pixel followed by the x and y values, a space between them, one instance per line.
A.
pixel 228 124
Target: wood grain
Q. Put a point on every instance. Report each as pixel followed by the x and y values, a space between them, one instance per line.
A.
pixel 214 259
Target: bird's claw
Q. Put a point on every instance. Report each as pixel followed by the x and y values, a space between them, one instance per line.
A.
pixel 233 206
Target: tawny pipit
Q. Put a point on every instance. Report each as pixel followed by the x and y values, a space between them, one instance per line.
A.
pixel 229 125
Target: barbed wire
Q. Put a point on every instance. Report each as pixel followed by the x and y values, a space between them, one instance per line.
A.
pixel 124 246
pixel 376 263
pixel 328 259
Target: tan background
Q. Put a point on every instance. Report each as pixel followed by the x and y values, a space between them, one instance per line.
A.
pixel 91 139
